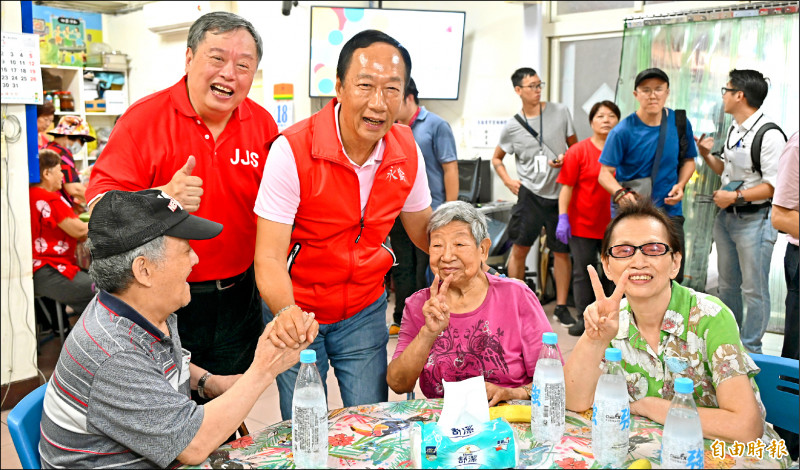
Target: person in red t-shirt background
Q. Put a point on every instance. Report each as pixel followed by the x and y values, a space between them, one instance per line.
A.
pixel 55 231
pixel 584 207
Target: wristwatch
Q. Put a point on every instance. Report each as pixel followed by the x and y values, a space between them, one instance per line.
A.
pixel 739 197
pixel 201 386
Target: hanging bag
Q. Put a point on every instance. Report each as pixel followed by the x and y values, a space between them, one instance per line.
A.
pixel 644 186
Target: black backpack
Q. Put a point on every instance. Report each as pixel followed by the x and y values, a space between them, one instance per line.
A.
pixel 683 141
pixel 755 149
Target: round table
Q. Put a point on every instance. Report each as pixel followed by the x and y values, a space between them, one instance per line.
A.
pixel 373 436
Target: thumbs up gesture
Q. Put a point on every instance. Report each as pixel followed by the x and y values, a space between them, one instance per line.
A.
pixel 184 187
pixel 601 318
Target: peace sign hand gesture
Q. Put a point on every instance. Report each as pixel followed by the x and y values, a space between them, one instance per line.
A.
pixel 601 318
pixel 435 309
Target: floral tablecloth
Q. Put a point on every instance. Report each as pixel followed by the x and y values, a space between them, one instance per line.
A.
pixel 375 436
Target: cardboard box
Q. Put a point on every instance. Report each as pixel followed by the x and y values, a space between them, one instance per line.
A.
pixel 96 106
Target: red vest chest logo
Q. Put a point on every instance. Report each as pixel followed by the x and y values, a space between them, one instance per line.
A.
pixel 249 158
pixel 395 174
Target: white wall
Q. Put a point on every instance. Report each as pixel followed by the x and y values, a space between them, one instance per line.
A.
pixel 17 337
pixel 494 46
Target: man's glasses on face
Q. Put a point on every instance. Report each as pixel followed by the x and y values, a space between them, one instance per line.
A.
pixel 534 86
pixel 652 91
pixel 648 249
pixel 732 90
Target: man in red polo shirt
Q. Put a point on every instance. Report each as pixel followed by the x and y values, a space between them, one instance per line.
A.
pixel 203 142
pixel 334 185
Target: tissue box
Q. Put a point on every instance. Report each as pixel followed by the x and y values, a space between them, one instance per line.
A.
pixel 488 445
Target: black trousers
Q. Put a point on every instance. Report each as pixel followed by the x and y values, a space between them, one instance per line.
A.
pixel 678 221
pixel 409 274
pixel 221 327
pixel 586 251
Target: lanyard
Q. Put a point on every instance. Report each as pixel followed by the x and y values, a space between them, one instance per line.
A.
pixel 541 126
pixel 739 142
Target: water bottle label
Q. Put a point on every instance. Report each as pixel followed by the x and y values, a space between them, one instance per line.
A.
pixel 307 422
pixel 677 458
pixel 553 403
pixel 619 419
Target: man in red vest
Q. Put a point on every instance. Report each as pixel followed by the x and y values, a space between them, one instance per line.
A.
pixel 333 185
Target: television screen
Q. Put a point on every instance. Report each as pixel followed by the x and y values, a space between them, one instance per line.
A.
pixel 434 40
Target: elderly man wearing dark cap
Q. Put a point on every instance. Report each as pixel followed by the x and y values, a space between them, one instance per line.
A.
pixel 119 395
pixel 649 153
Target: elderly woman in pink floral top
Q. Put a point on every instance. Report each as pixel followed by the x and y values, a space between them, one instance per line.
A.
pixel 468 323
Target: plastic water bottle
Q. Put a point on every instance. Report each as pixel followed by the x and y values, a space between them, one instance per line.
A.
pixel 309 415
pixel 682 445
pixel 547 393
pixel 611 414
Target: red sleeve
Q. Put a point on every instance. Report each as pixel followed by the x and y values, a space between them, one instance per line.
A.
pixel 61 209
pixel 120 166
pixel 49 207
pixel 571 169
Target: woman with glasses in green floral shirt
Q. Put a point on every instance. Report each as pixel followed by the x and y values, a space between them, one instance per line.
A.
pixel 664 331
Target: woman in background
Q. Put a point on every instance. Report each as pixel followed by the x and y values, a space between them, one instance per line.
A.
pixel 69 136
pixel 55 231
pixel 45 114
pixel 584 206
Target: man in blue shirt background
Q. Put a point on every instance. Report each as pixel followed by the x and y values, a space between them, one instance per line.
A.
pixel 435 139
pixel 631 148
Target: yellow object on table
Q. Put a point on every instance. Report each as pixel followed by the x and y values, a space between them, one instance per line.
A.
pixel 512 413
pixel 641 463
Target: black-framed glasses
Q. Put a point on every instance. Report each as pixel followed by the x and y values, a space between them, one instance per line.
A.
pixel 648 249
pixel 539 85
pixel 732 90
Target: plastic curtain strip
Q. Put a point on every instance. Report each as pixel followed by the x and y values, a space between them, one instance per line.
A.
pixel 697 57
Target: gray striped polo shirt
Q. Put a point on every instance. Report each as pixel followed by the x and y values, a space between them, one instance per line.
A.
pixel 119 395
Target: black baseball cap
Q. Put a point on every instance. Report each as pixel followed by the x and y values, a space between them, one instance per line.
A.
pixel 122 221
pixel 650 73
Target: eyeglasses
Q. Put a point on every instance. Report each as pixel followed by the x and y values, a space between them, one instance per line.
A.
pixel 539 85
pixel 656 91
pixel 648 249
pixel 732 90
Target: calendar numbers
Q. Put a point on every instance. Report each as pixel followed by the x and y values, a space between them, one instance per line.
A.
pixel 20 73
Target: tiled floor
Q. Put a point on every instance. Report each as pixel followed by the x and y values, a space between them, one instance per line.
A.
pixel 267 411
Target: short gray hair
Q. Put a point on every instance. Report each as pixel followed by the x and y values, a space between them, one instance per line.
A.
pixel 114 274
pixel 218 22
pixel 463 212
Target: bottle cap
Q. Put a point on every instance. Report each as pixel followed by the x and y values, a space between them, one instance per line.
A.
pixel 613 354
pixel 549 338
pixel 308 356
pixel 684 385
